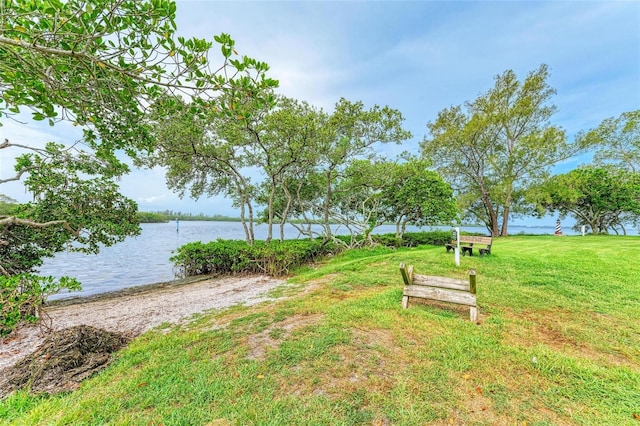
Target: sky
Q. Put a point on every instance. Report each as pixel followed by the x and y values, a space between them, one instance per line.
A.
pixel 415 56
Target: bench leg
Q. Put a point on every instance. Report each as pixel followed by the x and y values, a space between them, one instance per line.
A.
pixel 473 313
pixel 405 302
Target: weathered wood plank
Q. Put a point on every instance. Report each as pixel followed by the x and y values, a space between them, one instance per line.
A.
pixel 461 298
pixel 442 282
pixel 473 313
pixel 475 239
pixel 405 302
pixel 442 289
pixel 407 273
pixel 472 281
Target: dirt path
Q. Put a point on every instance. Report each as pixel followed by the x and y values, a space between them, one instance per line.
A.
pixel 135 311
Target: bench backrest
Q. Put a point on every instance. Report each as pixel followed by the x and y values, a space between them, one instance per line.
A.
pixel 475 239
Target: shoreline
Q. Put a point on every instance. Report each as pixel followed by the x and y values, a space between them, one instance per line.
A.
pixel 135 310
pixel 128 291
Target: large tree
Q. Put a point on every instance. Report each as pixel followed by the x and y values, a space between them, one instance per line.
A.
pixel 497 145
pixel 207 155
pixel 371 193
pixel 602 198
pixel 286 154
pixel 99 65
pixel 289 158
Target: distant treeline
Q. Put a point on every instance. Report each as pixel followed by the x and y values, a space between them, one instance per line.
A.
pixel 167 215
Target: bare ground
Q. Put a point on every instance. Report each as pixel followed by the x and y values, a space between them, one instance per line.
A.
pixel 134 311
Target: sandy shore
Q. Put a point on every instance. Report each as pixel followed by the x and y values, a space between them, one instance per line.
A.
pixel 134 311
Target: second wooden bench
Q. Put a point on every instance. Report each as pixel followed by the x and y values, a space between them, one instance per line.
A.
pixel 467 244
pixel 440 288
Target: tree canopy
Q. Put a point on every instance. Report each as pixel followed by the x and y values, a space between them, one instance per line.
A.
pixel 289 158
pixel 101 63
pixel 617 141
pixel 497 145
pixel 602 198
pixel 103 66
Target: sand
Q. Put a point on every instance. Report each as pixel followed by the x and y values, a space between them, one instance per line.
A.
pixel 137 310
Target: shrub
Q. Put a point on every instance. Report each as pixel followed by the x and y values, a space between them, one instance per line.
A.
pixel 225 257
pixel 414 239
pixel 22 295
pixel 277 258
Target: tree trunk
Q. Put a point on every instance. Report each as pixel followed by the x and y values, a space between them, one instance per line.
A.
pixel 244 224
pixel 285 213
pixel 505 221
pixel 493 216
pixel 270 214
pixel 491 213
pixel 250 208
pixel 327 205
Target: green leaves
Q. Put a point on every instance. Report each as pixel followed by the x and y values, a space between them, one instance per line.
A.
pixel 75 200
pixel 604 199
pixel 617 141
pixel 22 295
pixel 109 60
pixel 501 144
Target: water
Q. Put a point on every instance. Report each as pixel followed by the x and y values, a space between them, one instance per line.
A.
pixel 145 259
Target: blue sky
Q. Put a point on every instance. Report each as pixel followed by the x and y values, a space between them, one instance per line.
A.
pixel 415 56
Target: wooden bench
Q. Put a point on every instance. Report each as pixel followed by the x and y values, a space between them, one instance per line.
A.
pixel 467 245
pixel 440 288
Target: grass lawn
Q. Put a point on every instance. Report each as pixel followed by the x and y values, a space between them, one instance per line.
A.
pixel 557 343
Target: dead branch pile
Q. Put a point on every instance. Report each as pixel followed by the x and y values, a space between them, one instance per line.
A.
pixel 64 359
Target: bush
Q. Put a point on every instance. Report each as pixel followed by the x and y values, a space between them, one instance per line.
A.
pixel 277 258
pixel 414 239
pixel 225 257
pixel 22 295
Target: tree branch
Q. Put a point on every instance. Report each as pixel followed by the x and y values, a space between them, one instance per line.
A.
pixel 106 64
pixel 13 220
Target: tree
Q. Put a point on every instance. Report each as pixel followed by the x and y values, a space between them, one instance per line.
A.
pixel 601 198
pixel 100 65
pixel 286 154
pixel 418 196
pixel 300 151
pixel 75 199
pixel 371 193
pixel 206 156
pixel 358 203
pixel 617 141
pixel 350 133
pixel 500 145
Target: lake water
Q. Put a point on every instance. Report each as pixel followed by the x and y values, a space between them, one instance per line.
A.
pixel 145 259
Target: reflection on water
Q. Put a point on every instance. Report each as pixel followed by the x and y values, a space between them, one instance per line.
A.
pixel 145 259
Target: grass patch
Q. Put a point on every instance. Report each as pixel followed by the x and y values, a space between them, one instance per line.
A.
pixel 556 343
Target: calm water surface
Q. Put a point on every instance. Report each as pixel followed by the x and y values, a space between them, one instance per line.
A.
pixel 145 259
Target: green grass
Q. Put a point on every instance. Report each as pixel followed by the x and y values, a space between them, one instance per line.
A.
pixel 558 342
